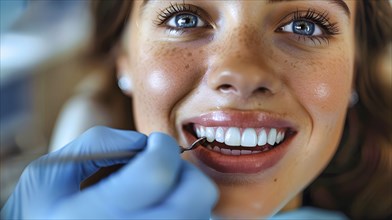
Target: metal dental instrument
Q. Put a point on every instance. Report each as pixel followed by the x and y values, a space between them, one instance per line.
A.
pixel 118 155
pixel 195 144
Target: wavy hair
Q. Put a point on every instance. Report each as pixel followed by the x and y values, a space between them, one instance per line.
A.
pixel 359 178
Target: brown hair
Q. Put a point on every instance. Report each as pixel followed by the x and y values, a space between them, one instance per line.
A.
pixel 107 27
pixel 358 179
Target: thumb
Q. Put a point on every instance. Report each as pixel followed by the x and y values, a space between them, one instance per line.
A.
pixel 145 181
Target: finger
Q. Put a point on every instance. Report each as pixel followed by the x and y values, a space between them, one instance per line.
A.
pixel 195 195
pixel 146 180
pixel 98 140
pixel 102 140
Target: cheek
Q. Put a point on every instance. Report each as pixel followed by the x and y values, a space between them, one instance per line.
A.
pixel 162 78
pixel 323 87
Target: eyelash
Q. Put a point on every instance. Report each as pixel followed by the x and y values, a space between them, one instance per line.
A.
pixel 165 14
pixel 320 19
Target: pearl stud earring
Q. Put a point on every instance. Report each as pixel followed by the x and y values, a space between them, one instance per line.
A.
pixel 124 83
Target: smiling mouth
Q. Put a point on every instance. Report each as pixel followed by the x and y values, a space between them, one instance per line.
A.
pixel 238 141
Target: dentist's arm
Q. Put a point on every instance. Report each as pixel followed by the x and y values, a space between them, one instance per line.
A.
pixel 157 183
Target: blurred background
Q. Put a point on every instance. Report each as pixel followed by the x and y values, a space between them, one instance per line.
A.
pixel 38 39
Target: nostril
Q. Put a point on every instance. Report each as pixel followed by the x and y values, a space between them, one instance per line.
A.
pixel 263 90
pixel 226 88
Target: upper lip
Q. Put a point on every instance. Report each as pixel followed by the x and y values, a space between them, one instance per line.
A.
pixel 242 119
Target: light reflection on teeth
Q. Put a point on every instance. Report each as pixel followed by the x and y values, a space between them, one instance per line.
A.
pixel 244 137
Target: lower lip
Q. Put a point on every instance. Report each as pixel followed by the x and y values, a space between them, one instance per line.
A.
pixel 247 164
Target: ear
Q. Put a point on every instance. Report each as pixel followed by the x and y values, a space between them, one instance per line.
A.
pixel 123 74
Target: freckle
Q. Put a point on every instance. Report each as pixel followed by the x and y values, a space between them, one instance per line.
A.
pixel 189 54
pixel 275 180
pixel 174 49
pixel 201 51
pixel 187 66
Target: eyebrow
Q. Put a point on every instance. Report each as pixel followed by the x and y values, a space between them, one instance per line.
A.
pixel 339 3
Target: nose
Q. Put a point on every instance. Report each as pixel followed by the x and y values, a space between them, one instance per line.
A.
pixel 244 66
pixel 243 77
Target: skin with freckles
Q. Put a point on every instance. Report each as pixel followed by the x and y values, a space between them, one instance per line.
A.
pixel 242 60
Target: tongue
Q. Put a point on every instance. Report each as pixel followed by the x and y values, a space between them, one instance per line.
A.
pixel 222 145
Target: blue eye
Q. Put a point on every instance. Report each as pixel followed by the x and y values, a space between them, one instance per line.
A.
pixel 185 20
pixel 302 27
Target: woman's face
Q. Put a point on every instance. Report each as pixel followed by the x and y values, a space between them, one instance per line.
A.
pixel 267 82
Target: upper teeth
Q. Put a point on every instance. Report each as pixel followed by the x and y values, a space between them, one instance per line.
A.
pixel 245 137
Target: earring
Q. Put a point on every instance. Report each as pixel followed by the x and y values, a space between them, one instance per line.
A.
pixel 124 83
pixel 354 98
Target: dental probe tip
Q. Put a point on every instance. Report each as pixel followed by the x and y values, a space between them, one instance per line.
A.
pixel 194 144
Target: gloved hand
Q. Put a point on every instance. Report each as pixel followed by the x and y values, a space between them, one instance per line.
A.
pixel 157 183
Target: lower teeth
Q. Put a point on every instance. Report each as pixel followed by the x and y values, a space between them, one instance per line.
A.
pixel 235 152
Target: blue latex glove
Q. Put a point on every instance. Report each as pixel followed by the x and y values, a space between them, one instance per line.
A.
pixel 157 183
